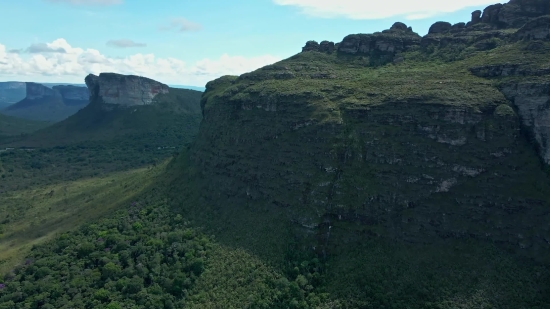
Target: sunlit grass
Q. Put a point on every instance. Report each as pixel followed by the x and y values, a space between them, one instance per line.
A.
pixel 33 216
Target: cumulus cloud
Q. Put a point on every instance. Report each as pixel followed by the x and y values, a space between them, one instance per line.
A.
pixel 181 24
pixel 124 43
pixel 88 2
pixel 369 9
pixel 75 63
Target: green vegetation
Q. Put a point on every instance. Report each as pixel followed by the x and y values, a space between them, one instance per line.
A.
pixel 10 126
pixel 33 216
pixel 322 181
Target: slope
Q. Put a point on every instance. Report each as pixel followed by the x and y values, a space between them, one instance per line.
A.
pixel 385 152
pixel 44 104
pixel 103 138
pixel 10 126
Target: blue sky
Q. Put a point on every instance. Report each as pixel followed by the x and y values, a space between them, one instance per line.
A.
pixel 189 42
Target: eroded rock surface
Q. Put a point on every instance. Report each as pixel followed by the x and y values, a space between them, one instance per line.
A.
pixel 124 90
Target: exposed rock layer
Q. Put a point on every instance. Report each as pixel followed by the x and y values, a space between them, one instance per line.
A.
pixel 124 90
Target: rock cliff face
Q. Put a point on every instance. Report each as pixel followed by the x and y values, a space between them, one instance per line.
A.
pixel 11 92
pixel 73 93
pixel 38 91
pixel 49 104
pixel 393 135
pixel 124 90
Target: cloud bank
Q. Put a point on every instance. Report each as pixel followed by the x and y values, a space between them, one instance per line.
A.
pixel 75 63
pixel 369 9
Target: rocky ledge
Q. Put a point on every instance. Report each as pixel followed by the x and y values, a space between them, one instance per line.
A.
pixel 124 90
pixel 73 93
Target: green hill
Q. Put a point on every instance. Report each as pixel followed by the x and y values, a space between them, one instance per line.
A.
pixel 103 138
pixel 388 170
pixel 44 104
pixel 10 126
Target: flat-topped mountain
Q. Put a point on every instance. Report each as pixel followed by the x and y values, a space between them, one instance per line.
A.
pixel 48 104
pixel 386 137
pixel 125 106
pixel 124 90
pixel 11 92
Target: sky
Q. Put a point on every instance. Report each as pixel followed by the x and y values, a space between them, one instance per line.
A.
pixel 189 42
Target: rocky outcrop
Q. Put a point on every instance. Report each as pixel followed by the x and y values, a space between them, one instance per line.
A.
pixel 536 29
pixel 38 91
pixel 11 92
pixel 73 93
pixel 532 100
pixel 124 90
pixel 440 27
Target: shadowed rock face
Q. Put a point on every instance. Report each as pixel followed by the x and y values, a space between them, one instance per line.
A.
pixel 73 92
pixel 11 92
pixel 124 90
pixel 38 91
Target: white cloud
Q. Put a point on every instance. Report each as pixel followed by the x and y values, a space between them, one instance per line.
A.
pixel 75 63
pixel 369 9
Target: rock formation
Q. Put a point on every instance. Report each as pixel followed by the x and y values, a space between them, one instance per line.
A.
pixel 73 93
pixel 11 92
pixel 124 90
pixel 38 91
pixel 49 104
pixel 434 149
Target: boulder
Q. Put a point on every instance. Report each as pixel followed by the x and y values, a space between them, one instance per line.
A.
pixel 326 47
pixel 490 14
pixel 476 17
pixel 311 46
pixel 440 27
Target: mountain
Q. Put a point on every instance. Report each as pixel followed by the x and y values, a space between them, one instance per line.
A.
pixel 388 170
pixel 123 105
pixel 386 152
pixel 44 104
pixel 83 85
pixel 10 93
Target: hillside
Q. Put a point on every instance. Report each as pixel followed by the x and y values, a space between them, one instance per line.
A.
pixel 10 126
pixel 107 135
pixel 389 170
pixel 44 104
pixel 10 93
pixel 387 149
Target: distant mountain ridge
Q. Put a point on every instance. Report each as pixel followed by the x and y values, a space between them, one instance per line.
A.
pixel 121 106
pixel 48 104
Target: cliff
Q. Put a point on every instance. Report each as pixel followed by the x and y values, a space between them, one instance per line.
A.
pixel 389 135
pixel 48 104
pixel 124 90
pixel 73 95
pixel 160 116
pixel 11 92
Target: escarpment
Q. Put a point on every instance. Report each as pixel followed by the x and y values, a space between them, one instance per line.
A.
pixel 124 90
pixel 392 134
